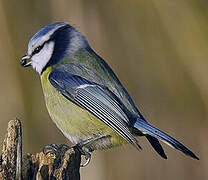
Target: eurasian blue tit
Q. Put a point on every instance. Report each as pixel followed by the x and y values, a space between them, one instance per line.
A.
pixel 84 97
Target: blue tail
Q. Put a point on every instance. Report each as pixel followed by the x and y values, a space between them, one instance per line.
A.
pixel 152 132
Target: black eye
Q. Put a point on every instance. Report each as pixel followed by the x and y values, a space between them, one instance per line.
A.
pixel 37 49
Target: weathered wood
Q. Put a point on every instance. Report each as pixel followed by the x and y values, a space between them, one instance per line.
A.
pixel 10 164
pixel 63 163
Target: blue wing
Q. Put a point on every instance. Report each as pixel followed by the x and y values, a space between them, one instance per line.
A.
pixel 96 99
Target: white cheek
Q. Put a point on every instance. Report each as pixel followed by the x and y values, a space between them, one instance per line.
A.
pixel 40 60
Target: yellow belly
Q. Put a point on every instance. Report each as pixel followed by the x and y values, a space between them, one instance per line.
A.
pixel 76 123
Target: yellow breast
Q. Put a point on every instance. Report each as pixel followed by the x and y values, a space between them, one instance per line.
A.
pixel 76 123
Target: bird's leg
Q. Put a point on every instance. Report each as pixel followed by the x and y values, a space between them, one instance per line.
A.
pixel 84 150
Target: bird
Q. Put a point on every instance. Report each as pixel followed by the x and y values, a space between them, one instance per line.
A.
pixel 85 98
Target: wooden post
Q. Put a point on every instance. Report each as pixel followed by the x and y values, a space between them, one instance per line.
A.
pixel 64 164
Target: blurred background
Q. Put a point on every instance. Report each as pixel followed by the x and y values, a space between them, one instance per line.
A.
pixel 159 50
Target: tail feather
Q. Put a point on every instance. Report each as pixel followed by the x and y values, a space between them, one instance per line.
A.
pixel 156 145
pixel 156 133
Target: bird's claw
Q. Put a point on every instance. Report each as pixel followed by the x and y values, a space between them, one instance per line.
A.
pixel 85 152
pixel 52 148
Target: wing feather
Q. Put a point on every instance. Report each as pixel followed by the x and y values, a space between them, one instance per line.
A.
pixel 96 99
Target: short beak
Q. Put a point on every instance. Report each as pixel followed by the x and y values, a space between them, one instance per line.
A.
pixel 23 61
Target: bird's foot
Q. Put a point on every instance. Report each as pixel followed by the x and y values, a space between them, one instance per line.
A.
pixel 85 152
pixel 84 148
pixel 53 148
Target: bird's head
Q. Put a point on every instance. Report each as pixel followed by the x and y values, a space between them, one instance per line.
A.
pixel 51 44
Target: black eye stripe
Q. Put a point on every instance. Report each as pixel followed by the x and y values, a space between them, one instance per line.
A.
pixel 38 49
